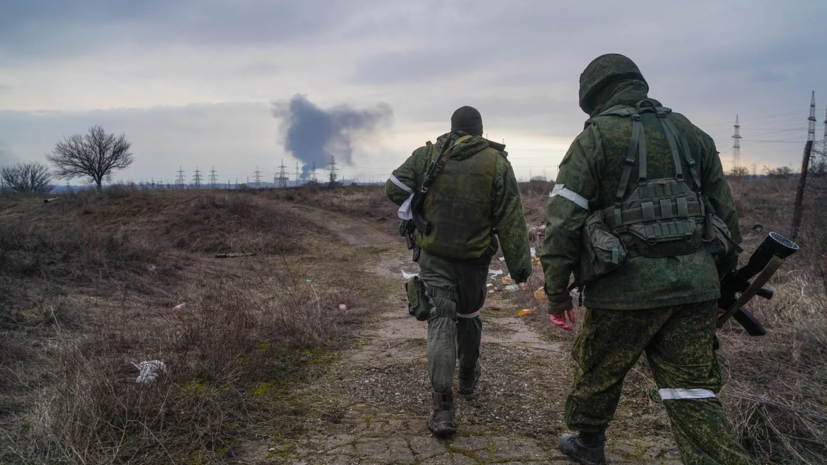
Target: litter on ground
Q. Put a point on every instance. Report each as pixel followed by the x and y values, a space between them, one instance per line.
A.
pixel 526 311
pixel 533 252
pixel 149 370
pixel 342 307
pixel 495 272
pixel 540 294
pixel 508 281
pixel 512 288
pixel 408 275
pixel 179 306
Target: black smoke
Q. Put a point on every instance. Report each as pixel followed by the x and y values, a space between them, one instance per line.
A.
pixel 314 134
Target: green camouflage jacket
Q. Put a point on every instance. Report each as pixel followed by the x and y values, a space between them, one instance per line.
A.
pixel 587 170
pixel 507 215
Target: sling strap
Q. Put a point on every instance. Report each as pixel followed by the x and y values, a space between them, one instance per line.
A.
pixel 439 164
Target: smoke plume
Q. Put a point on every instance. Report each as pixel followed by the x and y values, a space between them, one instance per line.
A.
pixel 314 134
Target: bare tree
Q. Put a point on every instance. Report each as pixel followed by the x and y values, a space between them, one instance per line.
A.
pixel 27 177
pixel 95 155
pixel 739 171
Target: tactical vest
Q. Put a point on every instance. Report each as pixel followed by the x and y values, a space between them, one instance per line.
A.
pixel 661 214
pixel 459 206
pixel 661 217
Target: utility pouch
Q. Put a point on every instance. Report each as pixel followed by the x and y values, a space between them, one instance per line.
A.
pixel 717 238
pixel 419 303
pixel 603 252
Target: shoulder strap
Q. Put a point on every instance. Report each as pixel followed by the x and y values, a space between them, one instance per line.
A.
pixel 636 144
pixel 672 134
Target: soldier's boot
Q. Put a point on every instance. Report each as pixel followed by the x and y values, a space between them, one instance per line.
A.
pixel 468 379
pixel 441 421
pixel 585 448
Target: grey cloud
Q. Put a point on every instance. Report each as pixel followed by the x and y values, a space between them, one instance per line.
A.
pixel 41 28
pixel 518 62
pixel 768 75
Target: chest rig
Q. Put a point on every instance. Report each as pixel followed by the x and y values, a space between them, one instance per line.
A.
pixel 663 216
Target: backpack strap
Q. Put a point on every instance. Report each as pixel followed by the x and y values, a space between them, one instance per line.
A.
pixel 687 153
pixel 634 144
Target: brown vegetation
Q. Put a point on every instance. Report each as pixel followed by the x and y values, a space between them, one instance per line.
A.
pixel 88 286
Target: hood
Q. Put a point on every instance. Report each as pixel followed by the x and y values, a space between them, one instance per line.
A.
pixel 626 92
pixel 467 148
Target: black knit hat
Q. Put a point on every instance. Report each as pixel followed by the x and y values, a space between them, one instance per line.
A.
pixel 468 120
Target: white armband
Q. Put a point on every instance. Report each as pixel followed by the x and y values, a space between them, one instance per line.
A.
pixel 560 189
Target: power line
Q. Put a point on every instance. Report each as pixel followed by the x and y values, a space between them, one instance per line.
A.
pixel 257 177
pixel 298 179
pixel 736 145
pixel 281 180
pixel 180 179
pixel 196 179
pixel 213 178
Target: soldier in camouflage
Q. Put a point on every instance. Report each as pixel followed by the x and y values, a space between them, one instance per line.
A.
pixel 662 301
pixel 473 205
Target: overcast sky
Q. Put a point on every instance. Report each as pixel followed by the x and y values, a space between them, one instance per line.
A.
pixel 194 82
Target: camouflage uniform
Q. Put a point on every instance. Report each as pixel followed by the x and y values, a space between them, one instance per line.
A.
pixel 662 306
pixel 454 326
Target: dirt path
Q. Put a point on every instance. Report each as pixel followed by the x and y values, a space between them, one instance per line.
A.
pixel 370 406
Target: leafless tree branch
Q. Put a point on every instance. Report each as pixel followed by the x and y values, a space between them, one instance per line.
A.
pixel 95 155
pixel 27 177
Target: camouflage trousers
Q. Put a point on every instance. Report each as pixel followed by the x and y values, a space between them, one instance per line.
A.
pixel 678 342
pixel 454 325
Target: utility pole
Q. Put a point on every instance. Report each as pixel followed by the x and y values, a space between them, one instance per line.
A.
pixel 332 175
pixel 805 166
pixel 196 179
pixel 736 146
pixel 257 178
pixel 298 180
pixel 824 139
pixel 281 180
pixel 213 178
pixel 179 181
pixel 313 178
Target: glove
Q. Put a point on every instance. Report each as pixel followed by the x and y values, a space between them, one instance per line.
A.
pixel 559 319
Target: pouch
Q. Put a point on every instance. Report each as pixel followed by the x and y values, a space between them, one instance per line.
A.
pixel 717 238
pixel 419 303
pixel 604 251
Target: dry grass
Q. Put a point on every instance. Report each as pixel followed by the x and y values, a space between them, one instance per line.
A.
pixel 776 388
pixel 89 283
pixel 365 202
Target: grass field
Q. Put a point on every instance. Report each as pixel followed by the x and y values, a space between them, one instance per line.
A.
pixel 89 285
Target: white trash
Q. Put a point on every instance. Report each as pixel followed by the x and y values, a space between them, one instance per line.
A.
pixel 533 252
pixel 408 275
pixel 495 272
pixel 149 370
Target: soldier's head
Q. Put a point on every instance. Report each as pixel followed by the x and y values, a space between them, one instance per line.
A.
pixel 599 76
pixel 467 120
